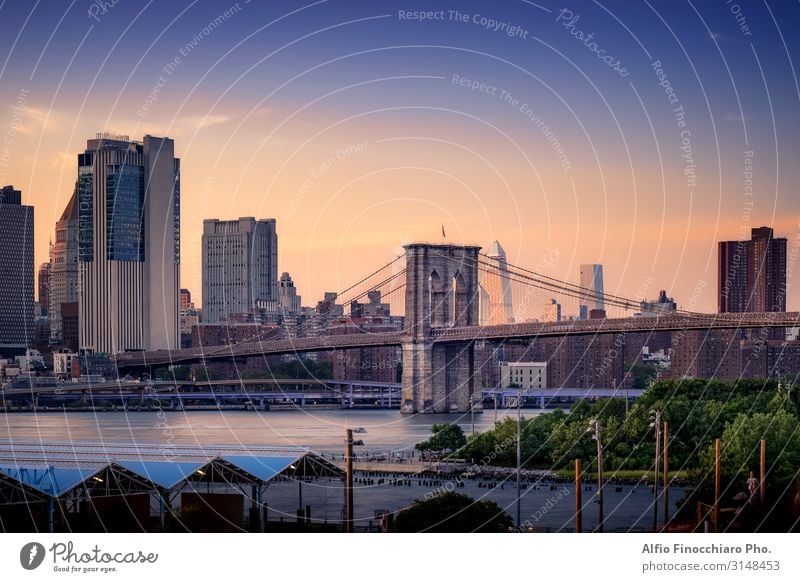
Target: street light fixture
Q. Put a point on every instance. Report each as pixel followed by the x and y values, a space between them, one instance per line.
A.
pixel 655 423
pixel 595 429
pixel 348 463
pixel 519 457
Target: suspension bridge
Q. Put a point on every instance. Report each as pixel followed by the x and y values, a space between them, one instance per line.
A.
pixel 454 296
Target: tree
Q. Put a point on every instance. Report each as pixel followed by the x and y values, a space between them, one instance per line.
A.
pixel 741 449
pixel 453 513
pixel 445 437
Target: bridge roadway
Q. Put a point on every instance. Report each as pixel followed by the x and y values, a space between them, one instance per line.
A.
pixel 699 321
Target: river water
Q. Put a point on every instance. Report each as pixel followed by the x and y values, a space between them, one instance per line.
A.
pixel 547 506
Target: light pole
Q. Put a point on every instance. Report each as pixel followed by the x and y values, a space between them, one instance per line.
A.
pixel 655 418
pixel 595 430
pixel 348 486
pixel 472 412
pixel 519 456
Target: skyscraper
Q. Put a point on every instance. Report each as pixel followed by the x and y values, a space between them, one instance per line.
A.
pixel 497 285
pixel 752 274
pixel 44 288
pixel 240 268
pixel 128 244
pixel 289 299
pixel 552 310
pixel 592 282
pixel 16 273
pixel 64 272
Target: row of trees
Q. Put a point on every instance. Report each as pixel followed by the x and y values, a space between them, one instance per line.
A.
pixel 739 413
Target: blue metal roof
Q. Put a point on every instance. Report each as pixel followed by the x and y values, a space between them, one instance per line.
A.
pixel 264 468
pixel 53 481
pixel 163 473
pixel 55 468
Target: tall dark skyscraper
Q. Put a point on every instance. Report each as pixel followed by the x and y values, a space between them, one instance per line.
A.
pixel 16 272
pixel 44 287
pixel 128 244
pixel 752 273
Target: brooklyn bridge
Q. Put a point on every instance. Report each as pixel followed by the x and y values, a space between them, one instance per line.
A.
pixel 440 294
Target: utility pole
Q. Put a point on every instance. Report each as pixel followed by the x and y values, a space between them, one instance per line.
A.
pixel 595 431
pixel 472 412
pixel 519 457
pixel 348 486
pixel 716 486
pixel 657 425
pixel 762 482
pixel 578 501
pixel 666 475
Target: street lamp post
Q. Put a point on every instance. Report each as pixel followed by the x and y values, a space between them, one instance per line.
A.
pixel 472 412
pixel 655 416
pixel 348 486
pixel 519 457
pixel 596 431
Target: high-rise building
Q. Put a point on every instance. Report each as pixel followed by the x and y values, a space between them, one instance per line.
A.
pixel 44 287
pixel 752 274
pixel 497 286
pixel 240 268
pixel 64 272
pixel 592 283
pixel 16 273
pixel 552 311
pixel 128 244
pixel 288 299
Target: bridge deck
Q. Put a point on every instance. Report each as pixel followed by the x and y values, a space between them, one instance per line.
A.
pixel 458 334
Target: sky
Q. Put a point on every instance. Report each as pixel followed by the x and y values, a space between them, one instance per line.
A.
pixel 632 134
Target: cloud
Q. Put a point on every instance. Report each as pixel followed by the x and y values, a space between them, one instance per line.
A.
pixel 198 122
pixel 735 117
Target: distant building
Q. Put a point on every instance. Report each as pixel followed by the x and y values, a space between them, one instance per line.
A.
pixel 128 244
pixel 185 301
pixel 497 287
pixel 373 308
pixel 592 284
pixel 288 299
pixel 62 363
pixel 64 271
pixel 223 334
pixel 378 364
pixel 524 375
pixel 662 306
pixel 552 311
pixel 70 326
pixel 240 268
pixel 16 273
pixel 44 288
pixel 752 274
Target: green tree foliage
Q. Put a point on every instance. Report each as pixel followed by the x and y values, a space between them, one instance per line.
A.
pixel 697 411
pixel 453 513
pixel 444 438
pixel 740 451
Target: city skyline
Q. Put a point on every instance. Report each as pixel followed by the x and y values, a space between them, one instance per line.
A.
pixel 411 125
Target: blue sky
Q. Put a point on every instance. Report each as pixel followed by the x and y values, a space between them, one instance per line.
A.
pixel 258 99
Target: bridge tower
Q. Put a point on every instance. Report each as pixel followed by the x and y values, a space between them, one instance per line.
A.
pixel 441 291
